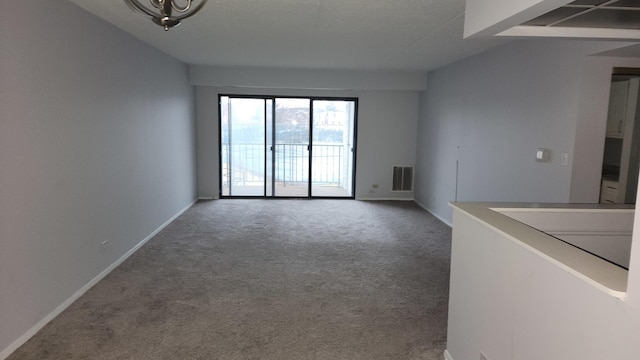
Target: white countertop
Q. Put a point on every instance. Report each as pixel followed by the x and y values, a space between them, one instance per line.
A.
pixel 598 272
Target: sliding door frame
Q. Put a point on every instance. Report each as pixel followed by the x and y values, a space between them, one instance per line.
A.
pixel 271 149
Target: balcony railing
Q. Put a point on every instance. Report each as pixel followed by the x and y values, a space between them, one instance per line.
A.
pixel 244 164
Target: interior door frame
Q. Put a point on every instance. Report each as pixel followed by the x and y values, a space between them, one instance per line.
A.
pixel 273 98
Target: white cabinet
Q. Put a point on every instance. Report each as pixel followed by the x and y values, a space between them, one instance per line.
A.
pixel 609 192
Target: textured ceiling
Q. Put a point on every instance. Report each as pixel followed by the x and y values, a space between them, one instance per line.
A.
pixel 324 34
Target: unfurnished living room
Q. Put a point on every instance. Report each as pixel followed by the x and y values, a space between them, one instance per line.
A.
pixel 306 179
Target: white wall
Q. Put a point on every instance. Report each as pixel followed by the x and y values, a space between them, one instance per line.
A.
pixel 386 135
pixel 509 302
pixel 97 143
pixel 633 282
pixel 318 79
pixel 490 112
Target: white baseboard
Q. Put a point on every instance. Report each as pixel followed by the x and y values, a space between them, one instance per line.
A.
pixel 26 336
pixel 383 199
pixel 447 356
pixel 206 198
pixel 445 221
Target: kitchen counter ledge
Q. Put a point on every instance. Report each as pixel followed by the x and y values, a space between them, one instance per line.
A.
pixel 599 273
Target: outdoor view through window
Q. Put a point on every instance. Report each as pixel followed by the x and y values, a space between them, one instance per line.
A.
pixel 287 147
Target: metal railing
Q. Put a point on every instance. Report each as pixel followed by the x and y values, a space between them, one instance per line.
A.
pixel 244 164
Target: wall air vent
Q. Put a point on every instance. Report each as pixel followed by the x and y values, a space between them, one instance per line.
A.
pixel 402 178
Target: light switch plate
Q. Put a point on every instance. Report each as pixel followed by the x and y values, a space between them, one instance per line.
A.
pixel 542 154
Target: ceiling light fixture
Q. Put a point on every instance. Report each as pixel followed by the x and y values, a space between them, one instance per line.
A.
pixel 161 11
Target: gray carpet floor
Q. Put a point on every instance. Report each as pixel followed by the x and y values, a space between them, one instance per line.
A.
pixel 269 279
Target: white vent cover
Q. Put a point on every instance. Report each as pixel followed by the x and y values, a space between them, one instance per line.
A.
pixel 402 178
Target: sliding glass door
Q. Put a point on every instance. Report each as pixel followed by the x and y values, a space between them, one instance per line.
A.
pixel 287 147
pixel 332 159
pixel 291 155
pixel 243 147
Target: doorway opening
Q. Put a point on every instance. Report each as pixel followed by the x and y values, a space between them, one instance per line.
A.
pixel 621 159
pixel 296 147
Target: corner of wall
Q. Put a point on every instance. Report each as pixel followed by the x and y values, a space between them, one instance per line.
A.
pixel 444 219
